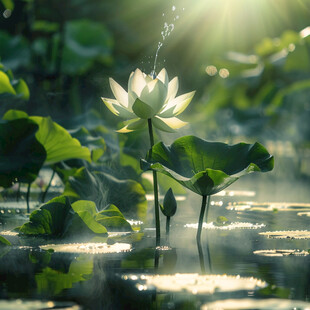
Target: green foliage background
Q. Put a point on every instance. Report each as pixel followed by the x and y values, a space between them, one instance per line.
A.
pixel 65 51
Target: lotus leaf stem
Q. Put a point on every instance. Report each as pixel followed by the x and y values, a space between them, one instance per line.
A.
pixel 48 186
pixel 167 228
pixel 27 197
pixel 155 184
pixel 204 205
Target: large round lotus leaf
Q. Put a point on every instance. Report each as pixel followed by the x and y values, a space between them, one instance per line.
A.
pixel 14 52
pixel 103 189
pixel 85 42
pixel 57 141
pixel 205 167
pixel 22 156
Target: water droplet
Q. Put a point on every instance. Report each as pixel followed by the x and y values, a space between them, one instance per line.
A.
pixel 7 13
pixel 173 8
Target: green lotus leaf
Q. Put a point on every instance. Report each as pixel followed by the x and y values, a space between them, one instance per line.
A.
pixel 57 141
pixel 4 241
pixel 113 219
pixel 96 145
pixel 58 218
pixel 103 189
pixel 14 52
pixel 22 155
pixel 205 167
pixel 5 84
pixel 85 43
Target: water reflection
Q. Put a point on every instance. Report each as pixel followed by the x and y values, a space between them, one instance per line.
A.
pixel 256 304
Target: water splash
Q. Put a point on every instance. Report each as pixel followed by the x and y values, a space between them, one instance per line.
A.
pixel 166 31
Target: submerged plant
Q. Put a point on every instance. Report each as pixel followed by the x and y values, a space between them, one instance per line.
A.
pixel 149 101
pixel 205 167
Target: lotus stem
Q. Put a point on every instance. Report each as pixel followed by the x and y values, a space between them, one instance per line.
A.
pixel 204 205
pixel 156 202
pixel 167 228
pixel 48 186
pixel 18 192
pixel 27 197
pixel 201 258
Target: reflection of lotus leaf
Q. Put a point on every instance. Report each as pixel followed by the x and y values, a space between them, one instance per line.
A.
pixel 195 283
pixel 281 253
pixel 291 234
pixel 253 303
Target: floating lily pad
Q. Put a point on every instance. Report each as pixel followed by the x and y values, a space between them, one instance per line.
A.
pixel 8 233
pixel 303 213
pixel 287 234
pixel 256 304
pixel 226 193
pixel 281 253
pixel 195 283
pixel 268 206
pixel 230 226
pixel 89 248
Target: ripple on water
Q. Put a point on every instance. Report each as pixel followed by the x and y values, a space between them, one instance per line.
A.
pixel 231 226
pixel 194 283
pixel 89 248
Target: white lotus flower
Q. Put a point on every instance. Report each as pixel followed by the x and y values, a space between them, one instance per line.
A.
pixel 148 98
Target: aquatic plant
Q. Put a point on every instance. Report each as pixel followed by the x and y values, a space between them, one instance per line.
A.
pixel 168 208
pixel 205 167
pixel 150 100
pixel 60 218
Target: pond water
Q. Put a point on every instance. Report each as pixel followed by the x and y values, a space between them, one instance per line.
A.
pixel 240 265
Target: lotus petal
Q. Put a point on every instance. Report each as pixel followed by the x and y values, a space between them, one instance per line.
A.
pixel 154 95
pixel 117 109
pixel 133 124
pixel 173 88
pixel 168 124
pixel 163 77
pixel 177 105
pixel 136 82
pixel 119 93
pixel 142 109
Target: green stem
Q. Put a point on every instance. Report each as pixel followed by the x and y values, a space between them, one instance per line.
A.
pixel 27 197
pixel 201 258
pixel 48 186
pixel 18 192
pixel 155 183
pixel 205 203
pixel 167 228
